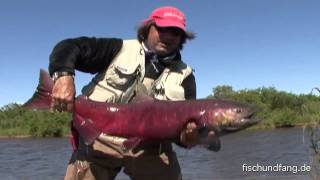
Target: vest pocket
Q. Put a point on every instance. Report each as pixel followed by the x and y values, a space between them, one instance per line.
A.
pixel 175 93
pixel 103 95
pixel 122 78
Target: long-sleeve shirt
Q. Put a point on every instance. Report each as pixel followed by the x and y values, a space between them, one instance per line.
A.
pixel 93 55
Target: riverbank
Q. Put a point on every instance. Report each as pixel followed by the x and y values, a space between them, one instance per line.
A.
pixel 276 109
pixel 15 137
pixel 16 121
pixel 44 124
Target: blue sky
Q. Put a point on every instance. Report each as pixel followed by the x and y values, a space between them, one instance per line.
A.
pixel 246 44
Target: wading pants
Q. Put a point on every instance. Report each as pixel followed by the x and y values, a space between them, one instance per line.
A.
pixel 103 162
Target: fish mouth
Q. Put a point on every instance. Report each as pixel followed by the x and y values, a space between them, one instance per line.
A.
pixel 242 123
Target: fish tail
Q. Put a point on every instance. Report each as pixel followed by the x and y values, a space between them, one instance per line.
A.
pixel 41 99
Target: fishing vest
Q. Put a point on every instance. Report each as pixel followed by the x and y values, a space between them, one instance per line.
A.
pixel 118 83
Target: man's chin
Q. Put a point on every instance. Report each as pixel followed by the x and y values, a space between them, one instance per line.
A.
pixel 162 52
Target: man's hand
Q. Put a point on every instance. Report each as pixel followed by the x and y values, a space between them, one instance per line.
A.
pixel 191 137
pixel 63 93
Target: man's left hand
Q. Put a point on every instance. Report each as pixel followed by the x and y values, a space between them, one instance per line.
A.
pixel 189 136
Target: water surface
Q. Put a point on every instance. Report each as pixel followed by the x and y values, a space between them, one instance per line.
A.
pixel 47 158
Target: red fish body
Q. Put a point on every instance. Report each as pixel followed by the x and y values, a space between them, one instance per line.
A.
pixel 150 119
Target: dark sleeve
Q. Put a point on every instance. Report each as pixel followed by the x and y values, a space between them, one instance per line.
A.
pixel 84 54
pixel 189 85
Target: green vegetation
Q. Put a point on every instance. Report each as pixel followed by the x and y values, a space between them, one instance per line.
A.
pixel 276 108
pixel 18 121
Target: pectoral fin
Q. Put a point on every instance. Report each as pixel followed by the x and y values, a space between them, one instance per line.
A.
pixel 86 128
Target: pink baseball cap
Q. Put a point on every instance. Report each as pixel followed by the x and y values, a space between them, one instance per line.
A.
pixel 168 16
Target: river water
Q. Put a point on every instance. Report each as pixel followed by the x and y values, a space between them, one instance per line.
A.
pixel 24 159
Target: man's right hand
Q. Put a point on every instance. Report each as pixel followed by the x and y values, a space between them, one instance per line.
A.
pixel 63 94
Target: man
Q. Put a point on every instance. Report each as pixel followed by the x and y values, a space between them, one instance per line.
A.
pixel 120 66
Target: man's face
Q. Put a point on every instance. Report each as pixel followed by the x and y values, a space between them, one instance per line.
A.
pixel 164 40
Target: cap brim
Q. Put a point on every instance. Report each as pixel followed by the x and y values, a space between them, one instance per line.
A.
pixel 168 23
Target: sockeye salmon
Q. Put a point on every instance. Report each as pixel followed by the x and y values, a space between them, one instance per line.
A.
pixel 148 119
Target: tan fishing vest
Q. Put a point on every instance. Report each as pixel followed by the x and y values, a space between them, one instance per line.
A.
pixel 118 83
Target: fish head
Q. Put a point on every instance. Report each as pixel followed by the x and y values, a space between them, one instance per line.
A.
pixel 220 117
pixel 228 116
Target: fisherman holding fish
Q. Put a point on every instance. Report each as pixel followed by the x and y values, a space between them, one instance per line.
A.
pixel 121 66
